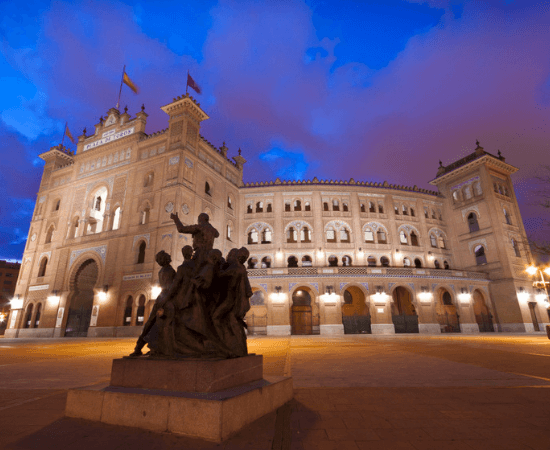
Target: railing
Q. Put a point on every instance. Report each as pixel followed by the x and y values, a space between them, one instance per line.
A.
pixel 367 271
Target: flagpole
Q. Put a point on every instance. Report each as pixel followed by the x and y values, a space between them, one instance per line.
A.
pixel 64 131
pixel 120 90
pixel 187 83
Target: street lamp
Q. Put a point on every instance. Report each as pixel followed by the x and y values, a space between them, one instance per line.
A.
pixel 532 270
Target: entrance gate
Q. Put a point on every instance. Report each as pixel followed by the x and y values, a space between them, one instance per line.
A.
pixel 484 318
pixel 301 319
pixel 355 312
pixel 404 317
pixel 82 299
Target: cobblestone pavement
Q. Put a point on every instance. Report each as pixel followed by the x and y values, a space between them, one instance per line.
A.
pixel 351 392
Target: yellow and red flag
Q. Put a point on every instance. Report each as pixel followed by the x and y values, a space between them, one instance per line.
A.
pixel 126 80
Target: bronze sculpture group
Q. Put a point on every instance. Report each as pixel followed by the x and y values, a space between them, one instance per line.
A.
pixel 201 308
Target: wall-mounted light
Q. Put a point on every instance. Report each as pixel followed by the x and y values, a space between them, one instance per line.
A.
pixel 396 250
pixel 360 253
pixel 278 296
pixel 53 298
pixel 329 290
pixel 155 291
pixel 320 253
pixel 102 295
pixel 16 302
pixel 541 297
pixel 2 317
pixel 380 297
pixel 425 295
pixel 279 254
pixel 523 295
pixel 464 296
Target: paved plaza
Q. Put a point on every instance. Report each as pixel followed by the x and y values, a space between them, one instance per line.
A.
pixel 407 392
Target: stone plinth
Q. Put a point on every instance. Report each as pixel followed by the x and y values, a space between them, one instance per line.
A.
pixel 203 399
pixel 188 376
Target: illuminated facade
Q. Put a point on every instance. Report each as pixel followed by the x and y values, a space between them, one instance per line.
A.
pixel 326 257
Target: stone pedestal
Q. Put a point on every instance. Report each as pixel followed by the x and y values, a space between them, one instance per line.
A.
pixel 197 398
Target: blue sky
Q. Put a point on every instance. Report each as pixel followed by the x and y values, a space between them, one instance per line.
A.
pixel 370 90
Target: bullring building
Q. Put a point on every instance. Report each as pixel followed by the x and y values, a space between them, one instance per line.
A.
pixel 327 257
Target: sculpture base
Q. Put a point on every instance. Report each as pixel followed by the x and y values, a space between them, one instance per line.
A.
pixel 197 398
pixel 211 416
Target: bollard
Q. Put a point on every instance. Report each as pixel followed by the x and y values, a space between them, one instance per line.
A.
pixel 548 331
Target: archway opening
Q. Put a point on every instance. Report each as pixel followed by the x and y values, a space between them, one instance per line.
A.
pixel 82 299
pixel 355 312
pixel 256 317
pixel 127 319
pixel 484 318
pixel 447 314
pixel 404 315
pixel 292 261
pixel 140 315
pixel 301 312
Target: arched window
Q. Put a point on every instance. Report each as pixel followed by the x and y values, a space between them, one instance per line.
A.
pixel 269 208
pixel 369 235
pixel 49 235
pixel 306 261
pixel 28 317
pixel 363 209
pixel 345 207
pixel 477 188
pixel 507 217
pixel 305 234
pixel 433 241
pixel 127 320
pixel 332 261
pixel 371 261
pixel 480 255
pixel 297 205
pixel 381 236
pixel 426 214
pixel 433 214
pixel 42 268
pixel 331 235
pixel 287 206
pixel 253 236
pixel 145 214
pixel 446 265
pixel 346 261
pixel 325 206
pixel 37 315
pixel 380 208
pixel 229 203
pixel 149 178
pixel 412 212
pixel 252 262
pixel 371 207
pixel 266 236
pixel 228 232
pixel 406 262
pixel 116 218
pixel 468 192
pixel 98 203
pixel 291 235
pixel 414 239
pixel 307 206
pixel 396 210
pixel 266 262
pixel 403 238
pixel 441 242
pixel 141 253
pixel 405 210
pixel 417 263
pixel 344 235
pixel 436 264
pixel 472 222
pixel 292 261
pixel 249 209
pixel 207 189
pixel 384 261
pixel 456 197
pixel 335 205
pixel 447 300
pixel 260 207
pixel 516 248
pixel 141 310
pixel 57 204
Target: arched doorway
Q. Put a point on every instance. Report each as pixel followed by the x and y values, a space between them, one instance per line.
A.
pixel 301 313
pixel 82 300
pixel 484 318
pixel 404 315
pixel 447 315
pixel 355 312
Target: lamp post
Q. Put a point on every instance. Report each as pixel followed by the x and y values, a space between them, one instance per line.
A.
pixel 541 284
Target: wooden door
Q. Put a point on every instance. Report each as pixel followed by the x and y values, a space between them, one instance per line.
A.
pixel 301 320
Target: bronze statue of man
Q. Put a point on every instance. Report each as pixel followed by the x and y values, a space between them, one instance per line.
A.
pixel 166 277
pixel 203 237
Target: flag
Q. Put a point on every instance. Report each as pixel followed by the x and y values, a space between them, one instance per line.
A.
pixel 126 80
pixel 68 133
pixel 191 83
